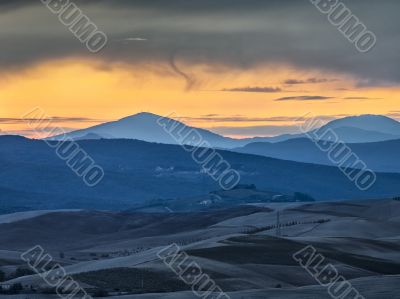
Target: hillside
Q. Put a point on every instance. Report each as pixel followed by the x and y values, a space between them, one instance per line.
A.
pixel 33 176
pixel 237 247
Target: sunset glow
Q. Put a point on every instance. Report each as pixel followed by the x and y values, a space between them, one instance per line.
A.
pixel 109 92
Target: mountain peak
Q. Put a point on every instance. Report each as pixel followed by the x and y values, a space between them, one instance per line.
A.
pixel 144 126
pixel 367 122
pixel 363 120
pixel 142 116
pixel 369 117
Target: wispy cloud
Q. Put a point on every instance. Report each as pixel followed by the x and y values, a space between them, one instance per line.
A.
pixel 34 132
pixel 308 81
pixel 134 39
pixel 239 118
pixel 289 126
pixel 394 114
pixel 56 119
pixel 361 98
pixel 252 131
pixel 265 89
pixel 191 81
pixel 304 98
pixel 220 118
pixel 366 83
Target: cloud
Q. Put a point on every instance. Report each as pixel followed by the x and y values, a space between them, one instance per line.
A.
pixel 304 98
pixel 220 118
pixel 234 33
pixel 215 118
pixel 394 114
pixel 254 89
pixel 134 39
pixel 374 82
pixel 275 130
pixel 190 80
pixel 308 81
pixel 361 98
pixel 256 130
pixel 56 119
pixel 33 132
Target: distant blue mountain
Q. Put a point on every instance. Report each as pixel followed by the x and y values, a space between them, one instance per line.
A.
pixel 368 122
pixel 144 126
pixel 135 171
pixel 379 156
pixel 352 129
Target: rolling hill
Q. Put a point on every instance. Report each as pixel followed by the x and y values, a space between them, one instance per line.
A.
pixel 237 247
pixel 31 175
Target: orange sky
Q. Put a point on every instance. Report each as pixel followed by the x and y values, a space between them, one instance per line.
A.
pixel 77 88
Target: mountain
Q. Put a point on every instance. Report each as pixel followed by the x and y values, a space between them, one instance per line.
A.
pixel 376 123
pixel 34 177
pixel 379 156
pixel 352 129
pixel 363 128
pixel 144 126
pixel 358 135
pixel 344 134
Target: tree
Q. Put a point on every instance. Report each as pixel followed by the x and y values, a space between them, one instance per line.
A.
pixel 100 293
pixel 2 276
pixel 298 196
pixel 16 288
pixel 23 272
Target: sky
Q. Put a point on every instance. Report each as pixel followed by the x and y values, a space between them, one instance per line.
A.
pixel 239 68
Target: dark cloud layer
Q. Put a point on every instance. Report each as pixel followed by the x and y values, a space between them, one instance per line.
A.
pixel 235 33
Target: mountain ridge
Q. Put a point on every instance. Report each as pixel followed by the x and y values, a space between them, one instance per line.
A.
pixel 144 126
pixel 380 156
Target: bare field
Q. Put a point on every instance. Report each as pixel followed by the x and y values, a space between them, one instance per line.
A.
pixel 117 252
